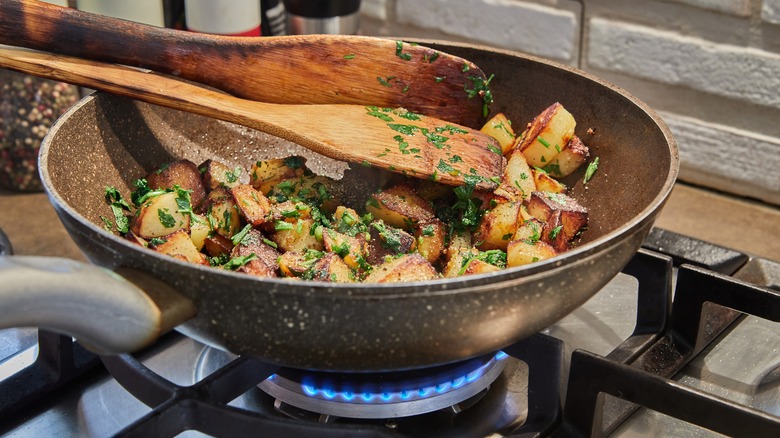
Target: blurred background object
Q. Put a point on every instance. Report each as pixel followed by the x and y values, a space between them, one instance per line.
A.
pixel 28 107
pixel 323 17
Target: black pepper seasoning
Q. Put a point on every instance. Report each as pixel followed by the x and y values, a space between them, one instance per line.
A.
pixel 28 108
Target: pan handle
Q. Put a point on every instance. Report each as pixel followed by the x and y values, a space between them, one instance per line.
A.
pixel 109 313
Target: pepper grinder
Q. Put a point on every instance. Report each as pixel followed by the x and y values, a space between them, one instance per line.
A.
pixel 323 17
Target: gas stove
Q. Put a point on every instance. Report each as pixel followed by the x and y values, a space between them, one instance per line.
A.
pixel 684 342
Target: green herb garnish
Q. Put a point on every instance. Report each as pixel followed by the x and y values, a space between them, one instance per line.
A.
pixel 591 170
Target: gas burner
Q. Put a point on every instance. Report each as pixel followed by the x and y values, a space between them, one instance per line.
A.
pixel 383 395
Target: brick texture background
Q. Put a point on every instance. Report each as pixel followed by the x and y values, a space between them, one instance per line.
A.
pixel 710 68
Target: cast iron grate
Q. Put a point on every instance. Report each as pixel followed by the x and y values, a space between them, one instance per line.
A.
pixel 203 406
pixel 691 327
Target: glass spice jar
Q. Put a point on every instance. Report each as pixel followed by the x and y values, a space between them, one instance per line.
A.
pixel 28 107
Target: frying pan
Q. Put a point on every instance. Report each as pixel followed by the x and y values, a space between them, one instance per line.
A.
pixel 108 140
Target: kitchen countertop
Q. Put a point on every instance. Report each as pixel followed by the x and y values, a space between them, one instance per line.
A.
pixel 751 227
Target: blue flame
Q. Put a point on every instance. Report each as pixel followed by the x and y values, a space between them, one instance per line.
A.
pixel 329 393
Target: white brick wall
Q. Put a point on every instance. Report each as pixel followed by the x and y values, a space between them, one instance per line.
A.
pixel 536 29
pixel 770 11
pixel 734 7
pixel 710 67
pixel 735 161
pixel 735 72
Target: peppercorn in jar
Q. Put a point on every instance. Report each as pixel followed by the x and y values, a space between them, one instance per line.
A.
pixel 28 108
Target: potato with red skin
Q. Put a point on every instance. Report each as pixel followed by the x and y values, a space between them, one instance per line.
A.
pixel 400 207
pixel 181 173
pixel 253 205
pixel 265 262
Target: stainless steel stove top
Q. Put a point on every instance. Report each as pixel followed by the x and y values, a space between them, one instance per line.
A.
pixel 742 366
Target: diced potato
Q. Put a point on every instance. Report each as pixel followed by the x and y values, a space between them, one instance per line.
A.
pixel 266 174
pixel 351 249
pixel 216 174
pixel 460 243
pixel 475 266
pixel 297 236
pixel 546 183
pixel 497 227
pixel 548 134
pixel 216 245
pixel 331 268
pixel 400 206
pixel 529 231
pixel 289 211
pixel 563 216
pixel 430 239
pixel 517 182
pixel 500 128
pixel 159 216
pixel 179 245
pixel 574 155
pixel 222 213
pixel 385 240
pixel 312 188
pixel 295 264
pixel 252 204
pixel 182 173
pixel 408 267
pixel 135 239
pixel 520 252
pixel 265 264
pixel 199 230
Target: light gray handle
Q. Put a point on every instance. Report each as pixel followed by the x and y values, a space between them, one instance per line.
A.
pixel 107 312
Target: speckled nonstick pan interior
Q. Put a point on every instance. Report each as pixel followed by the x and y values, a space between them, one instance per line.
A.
pixel 108 140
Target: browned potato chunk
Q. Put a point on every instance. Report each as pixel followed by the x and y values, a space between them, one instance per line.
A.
pixel 252 204
pixel 408 267
pixel 135 239
pixel 295 264
pixel 520 252
pixel 331 268
pixel 476 266
pixel 430 239
pixel 460 243
pixel 289 211
pixel 385 240
pixel 351 249
pixel 179 245
pixel 529 231
pixel 216 174
pixel 497 227
pixel 295 236
pixel 517 182
pixel 500 128
pixel 264 264
pixel 266 174
pixel 221 212
pixel 546 183
pixel 159 216
pixel 574 155
pixel 548 134
pixel 182 173
pixel 400 206
pixel 216 245
pixel 563 216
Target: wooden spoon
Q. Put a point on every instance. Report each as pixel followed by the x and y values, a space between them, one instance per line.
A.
pixel 296 69
pixel 395 140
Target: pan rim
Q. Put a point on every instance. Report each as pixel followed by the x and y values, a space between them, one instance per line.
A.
pixel 405 289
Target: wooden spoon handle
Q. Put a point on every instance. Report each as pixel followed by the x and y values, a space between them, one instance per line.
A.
pixel 318 69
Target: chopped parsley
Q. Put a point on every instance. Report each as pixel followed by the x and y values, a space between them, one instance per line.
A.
pixel 118 208
pixel 482 89
pixel 349 56
pixel 591 170
pixel 381 114
pixel 166 219
pixel 237 262
pixel 399 45
pixel 555 231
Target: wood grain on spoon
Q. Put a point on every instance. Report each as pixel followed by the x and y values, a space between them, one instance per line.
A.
pixel 392 139
pixel 297 69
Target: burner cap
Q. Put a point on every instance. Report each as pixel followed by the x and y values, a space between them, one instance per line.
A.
pixel 384 395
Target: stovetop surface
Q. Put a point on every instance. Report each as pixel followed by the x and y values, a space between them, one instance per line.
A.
pixel 744 366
